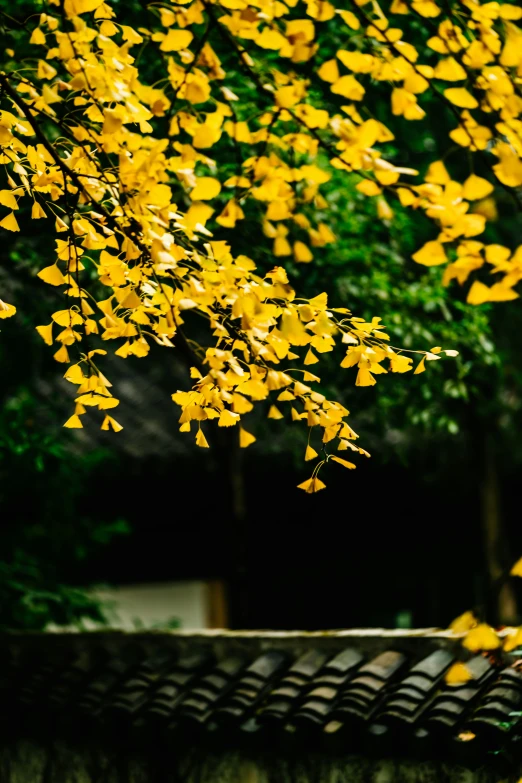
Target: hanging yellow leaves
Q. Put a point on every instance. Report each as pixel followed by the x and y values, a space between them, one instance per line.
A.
pixel 145 208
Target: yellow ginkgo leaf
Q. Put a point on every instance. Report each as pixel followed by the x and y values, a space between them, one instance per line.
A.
pixel 205 136
pixel 449 70
pixel 426 8
pixel 46 333
pixel 365 378
pixel 349 87
pixel 431 254
pixel 368 187
pixel 37 37
pixel 106 403
pixel 458 674
pixel 476 188
pixel 230 215
pixel 460 97
pixel 480 293
pixel 240 404
pixel 206 188
pixel 356 61
pixel 50 95
pixel 286 97
pixel 350 19
pixel 513 641
pixel 286 396
pixel 420 367
pixel 310 357
pixel 400 363
pixel 310 453
pixel 52 275
pixel 270 39
pixel 482 637
pixel 312 485
pixel 464 622
pixel 245 438
pixel 72 374
pixel 302 253
pixel 62 355
pixel 7 199
pixel 10 223
pixel 399 7
pixel 37 211
pixel 497 254
pixel 89 399
pixel 176 40
pixel 384 211
pixel 274 413
pixel 516 569
pixel 343 462
pixel 110 423
pixel 67 318
pixel 228 418
pixel 74 423
pixel 7 310
pixel 437 173
pixel 510 11
pixel 488 208
pixel 329 71
pixel 201 441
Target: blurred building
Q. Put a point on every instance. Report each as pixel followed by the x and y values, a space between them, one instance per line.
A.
pixel 191 604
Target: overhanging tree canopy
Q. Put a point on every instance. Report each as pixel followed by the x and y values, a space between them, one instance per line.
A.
pixel 135 134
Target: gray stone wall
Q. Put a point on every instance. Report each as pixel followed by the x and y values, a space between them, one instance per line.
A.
pixel 57 762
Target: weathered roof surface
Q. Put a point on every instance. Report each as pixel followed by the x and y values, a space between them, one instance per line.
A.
pixel 373 693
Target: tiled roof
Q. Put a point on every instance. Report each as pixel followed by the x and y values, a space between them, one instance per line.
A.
pixel 386 697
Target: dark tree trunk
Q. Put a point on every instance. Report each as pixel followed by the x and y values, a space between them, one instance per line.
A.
pixel 501 606
pixel 239 576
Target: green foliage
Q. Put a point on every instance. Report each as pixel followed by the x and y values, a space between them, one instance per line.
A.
pixel 45 535
pixel 30 599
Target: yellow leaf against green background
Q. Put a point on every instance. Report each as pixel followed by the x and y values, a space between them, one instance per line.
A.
pixel 175 40
pixel 459 96
pixel 449 70
pixel 476 188
pixel 431 254
pixel 206 189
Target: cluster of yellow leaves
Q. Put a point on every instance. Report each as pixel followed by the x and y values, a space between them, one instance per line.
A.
pixel 478 48
pixel 123 170
pixel 479 637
